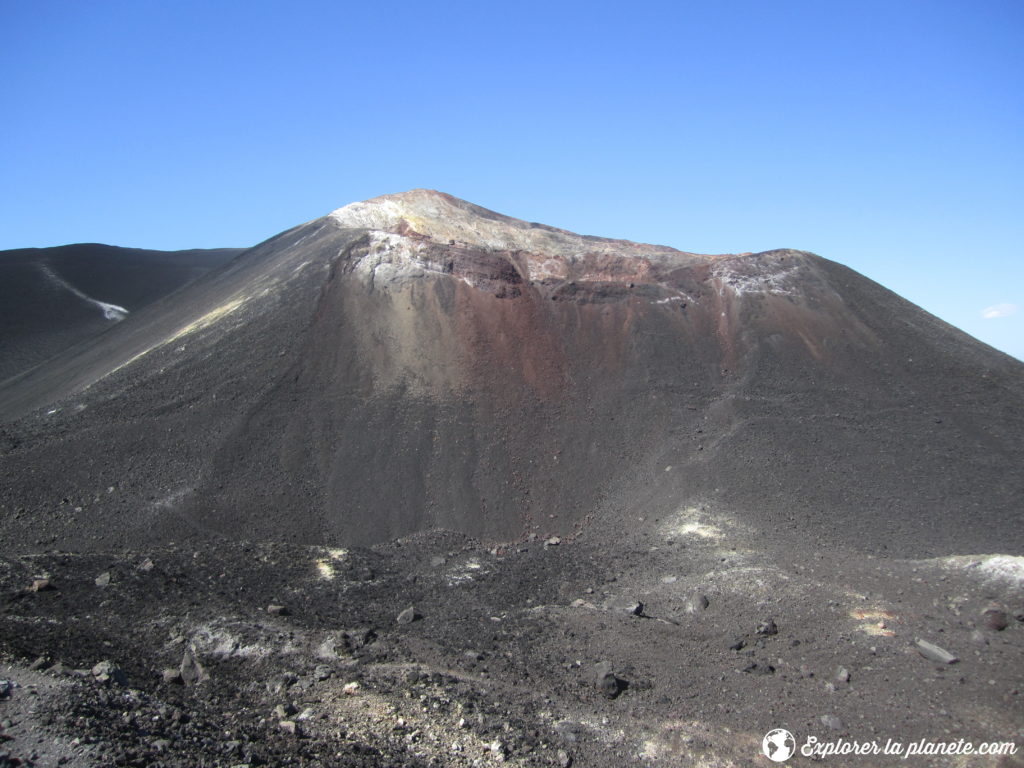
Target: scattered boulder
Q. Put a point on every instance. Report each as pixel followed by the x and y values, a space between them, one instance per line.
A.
pixel 605 680
pixel 767 628
pixel 192 672
pixel 322 672
pixel 697 603
pixel 408 616
pixel 995 619
pixel 564 759
pixel 627 604
pixel 553 541
pixel 103 580
pixel 610 686
pixel 284 711
pixel 278 610
pixel 437 561
pixel 42 585
pixel 351 688
pixel 146 565
pixel 842 675
pixel 935 653
pixel 281 683
pixel 291 727
pixel 108 672
pixel 354 639
pixel 172 675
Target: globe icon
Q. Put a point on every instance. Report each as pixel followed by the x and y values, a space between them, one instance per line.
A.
pixel 778 745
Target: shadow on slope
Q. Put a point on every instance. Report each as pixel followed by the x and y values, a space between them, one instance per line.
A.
pixel 52 298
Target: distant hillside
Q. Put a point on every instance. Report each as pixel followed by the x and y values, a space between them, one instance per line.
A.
pixel 54 298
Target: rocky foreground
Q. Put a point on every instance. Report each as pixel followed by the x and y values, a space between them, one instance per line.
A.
pixel 681 648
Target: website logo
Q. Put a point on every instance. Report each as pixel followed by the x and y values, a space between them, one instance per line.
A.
pixel 778 745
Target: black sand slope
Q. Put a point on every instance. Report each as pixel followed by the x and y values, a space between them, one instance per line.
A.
pixel 337 385
pixel 645 506
pixel 53 298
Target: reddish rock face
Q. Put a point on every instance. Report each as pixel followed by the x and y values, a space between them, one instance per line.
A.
pixel 416 362
pixel 571 302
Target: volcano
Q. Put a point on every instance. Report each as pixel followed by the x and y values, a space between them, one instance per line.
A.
pixel 416 362
pixel 566 451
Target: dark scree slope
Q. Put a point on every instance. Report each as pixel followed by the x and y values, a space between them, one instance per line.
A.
pixel 416 362
pixel 54 298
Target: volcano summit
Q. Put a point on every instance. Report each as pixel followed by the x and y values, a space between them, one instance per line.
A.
pixel 401 401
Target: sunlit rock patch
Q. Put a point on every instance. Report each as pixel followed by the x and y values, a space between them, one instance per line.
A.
pixel 326 565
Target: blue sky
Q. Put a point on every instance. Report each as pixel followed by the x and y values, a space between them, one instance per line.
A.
pixel 888 136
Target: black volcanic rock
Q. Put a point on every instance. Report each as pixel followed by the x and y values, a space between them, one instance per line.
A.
pixel 415 362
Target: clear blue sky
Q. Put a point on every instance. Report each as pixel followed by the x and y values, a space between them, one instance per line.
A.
pixel 885 135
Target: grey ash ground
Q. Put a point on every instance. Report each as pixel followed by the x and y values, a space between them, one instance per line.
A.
pixel 645 506
pixel 499 666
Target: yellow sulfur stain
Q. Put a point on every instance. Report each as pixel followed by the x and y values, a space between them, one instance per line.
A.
pixel 700 530
pixel 208 319
pixel 678 739
pixel 325 565
pixel 325 569
pixel 876 621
